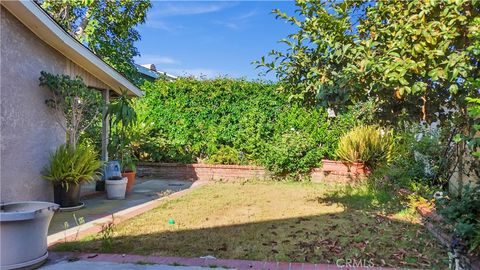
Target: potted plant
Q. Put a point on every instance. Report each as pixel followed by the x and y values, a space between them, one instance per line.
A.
pixel 68 168
pixel 123 119
pixel 116 187
pixel 360 150
pixel 76 108
pixel 129 171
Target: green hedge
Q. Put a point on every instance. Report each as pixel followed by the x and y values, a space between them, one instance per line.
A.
pixel 227 121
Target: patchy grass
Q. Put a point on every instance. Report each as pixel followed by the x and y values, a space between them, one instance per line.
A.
pixel 299 222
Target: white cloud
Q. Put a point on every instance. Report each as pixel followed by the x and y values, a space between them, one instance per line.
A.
pixel 239 21
pixel 156 59
pixel 162 25
pixel 156 18
pixel 162 9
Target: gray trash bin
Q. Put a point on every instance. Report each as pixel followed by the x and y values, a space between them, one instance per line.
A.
pixel 23 233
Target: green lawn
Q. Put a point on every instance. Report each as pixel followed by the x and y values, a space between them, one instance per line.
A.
pixel 299 222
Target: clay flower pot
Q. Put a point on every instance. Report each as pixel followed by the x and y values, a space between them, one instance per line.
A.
pixel 131 179
pixel 344 167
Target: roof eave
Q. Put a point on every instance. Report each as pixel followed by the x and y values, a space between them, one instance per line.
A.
pixel 48 30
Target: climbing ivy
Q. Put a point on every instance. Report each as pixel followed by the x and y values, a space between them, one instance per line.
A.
pixel 231 121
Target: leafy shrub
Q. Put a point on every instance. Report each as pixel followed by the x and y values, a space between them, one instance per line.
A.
pixel 225 155
pixel 76 106
pixel 472 139
pixel 292 152
pixel 464 213
pixel 421 159
pixel 475 243
pixel 122 118
pixel 72 166
pixel 227 121
pixel 369 144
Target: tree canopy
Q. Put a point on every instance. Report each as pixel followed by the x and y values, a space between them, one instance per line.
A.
pixel 106 27
pixel 412 57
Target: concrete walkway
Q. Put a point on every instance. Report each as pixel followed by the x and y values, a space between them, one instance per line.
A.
pixel 98 206
pixel 89 261
pixel 85 265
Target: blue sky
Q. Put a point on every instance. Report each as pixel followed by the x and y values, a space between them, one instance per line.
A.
pixel 211 37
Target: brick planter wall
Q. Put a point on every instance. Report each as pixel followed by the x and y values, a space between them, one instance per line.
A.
pixel 319 175
pixel 339 172
pixel 206 172
pixel 202 172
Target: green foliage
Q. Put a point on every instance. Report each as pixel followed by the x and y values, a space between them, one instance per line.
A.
pixel 76 106
pixel 108 28
pixel 68 165
pixel 292 152
pixel 464 213
pixel 225 155
pixel 123 117
pixel 475 243
pixel 235 121
pixel 414 57
pixel 369 144
pixel 471 134
pixel 106 235
pixel 421 159
pixel 472 139
pixel 121 111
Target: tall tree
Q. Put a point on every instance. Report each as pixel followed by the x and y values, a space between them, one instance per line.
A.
pixel 106 27
pixel 412 56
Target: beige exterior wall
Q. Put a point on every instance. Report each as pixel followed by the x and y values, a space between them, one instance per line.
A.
pixel 467 177
pixel 28 131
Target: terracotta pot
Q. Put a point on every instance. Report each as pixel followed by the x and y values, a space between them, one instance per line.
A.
pixel 344 167
pixel 131 179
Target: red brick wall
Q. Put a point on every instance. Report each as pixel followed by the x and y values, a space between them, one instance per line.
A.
pixel 206 172
pixel 319 175
pixel 200 171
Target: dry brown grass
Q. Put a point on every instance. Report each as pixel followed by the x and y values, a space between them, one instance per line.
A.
pixel 278 221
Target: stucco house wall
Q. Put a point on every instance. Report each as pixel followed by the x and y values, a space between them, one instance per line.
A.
pixel 466 176
pixel 28 130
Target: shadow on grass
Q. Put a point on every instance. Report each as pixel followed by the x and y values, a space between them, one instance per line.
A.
pixel 357 233
pixel 364 198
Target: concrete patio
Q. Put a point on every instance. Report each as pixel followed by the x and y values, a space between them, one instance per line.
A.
pixel 97 206
pixel 87 261
pixel 84 265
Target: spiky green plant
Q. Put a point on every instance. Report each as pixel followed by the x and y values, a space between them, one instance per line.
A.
pixel 369 144
pixel 72 166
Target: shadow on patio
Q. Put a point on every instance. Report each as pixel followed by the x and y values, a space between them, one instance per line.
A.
pixel 98 206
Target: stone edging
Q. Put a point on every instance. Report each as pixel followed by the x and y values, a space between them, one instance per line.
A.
pixel 95 226
pixel 429 213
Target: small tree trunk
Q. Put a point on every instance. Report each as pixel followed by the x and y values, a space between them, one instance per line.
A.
pixel 73 132
pixel 79 32
pixel 424 108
